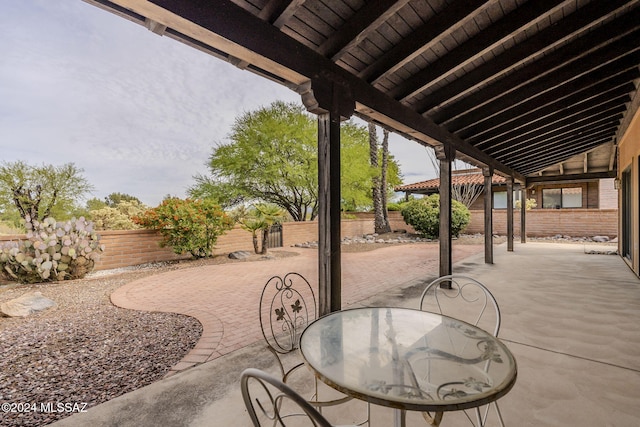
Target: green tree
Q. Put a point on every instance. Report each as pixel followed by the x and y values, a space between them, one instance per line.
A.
pixel 38 192
pixel 424 216
pixel 114 199
pixel 93 204
pixel 191 226
pixel 272 158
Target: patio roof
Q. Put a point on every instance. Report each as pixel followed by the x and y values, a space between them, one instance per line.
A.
pixel 518 86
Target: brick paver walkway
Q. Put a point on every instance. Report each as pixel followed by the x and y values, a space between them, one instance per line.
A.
pixel 225 297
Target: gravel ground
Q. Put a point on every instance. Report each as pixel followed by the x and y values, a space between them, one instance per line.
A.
pixel 87 351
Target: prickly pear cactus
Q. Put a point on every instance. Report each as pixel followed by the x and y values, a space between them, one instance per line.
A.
pixel 51 251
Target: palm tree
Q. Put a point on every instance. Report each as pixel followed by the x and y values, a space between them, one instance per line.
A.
pixel 270 215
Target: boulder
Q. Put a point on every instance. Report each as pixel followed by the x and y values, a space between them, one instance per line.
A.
pixel 600 239
pixel 26 304
pixel 240 255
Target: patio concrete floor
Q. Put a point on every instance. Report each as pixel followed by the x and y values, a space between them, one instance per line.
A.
pixel 571 319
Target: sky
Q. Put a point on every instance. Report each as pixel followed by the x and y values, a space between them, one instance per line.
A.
pixel 139 113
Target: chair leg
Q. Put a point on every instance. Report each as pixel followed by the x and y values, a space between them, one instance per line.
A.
pixel 499 414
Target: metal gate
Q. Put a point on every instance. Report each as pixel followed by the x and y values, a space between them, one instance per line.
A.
pixel 275 236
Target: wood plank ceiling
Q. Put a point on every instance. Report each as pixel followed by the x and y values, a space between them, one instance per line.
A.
pixel 522 86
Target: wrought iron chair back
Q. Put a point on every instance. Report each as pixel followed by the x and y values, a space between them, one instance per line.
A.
pixel 271 400
pixel 464 298
pixel 467 299
pixel 287 305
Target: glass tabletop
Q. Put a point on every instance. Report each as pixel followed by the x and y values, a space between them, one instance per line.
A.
pixel 408 359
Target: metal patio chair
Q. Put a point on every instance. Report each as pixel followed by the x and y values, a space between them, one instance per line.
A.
pixel 287 306
pixel 268 398
pixel 469 300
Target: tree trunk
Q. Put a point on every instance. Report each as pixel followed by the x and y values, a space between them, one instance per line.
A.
pixel 378 222
pixel 386 227
pixel 255 242
pixel 265 238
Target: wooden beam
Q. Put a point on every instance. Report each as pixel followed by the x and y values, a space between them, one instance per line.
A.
pixel 571 177
pixel 584 121
pixel 421 39
pixel 511 58
pixel 574 138
pixel 612 157
pixel 525 16
pixel 527 84
pixel 586 162
pixel 487 172
pixel 549 107
pixel 278 12
pixel 550 160
pixel 332 103
pixel 634 106
pixel 446 156
pixel 329 259
pixel 523 213
pixel 358 27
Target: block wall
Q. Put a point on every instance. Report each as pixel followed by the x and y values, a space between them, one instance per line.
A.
pixel 550 222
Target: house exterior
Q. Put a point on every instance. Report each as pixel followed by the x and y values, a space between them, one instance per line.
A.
pixel 577 194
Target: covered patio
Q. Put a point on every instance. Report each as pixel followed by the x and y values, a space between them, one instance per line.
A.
pixel 515 88
pixel 571 319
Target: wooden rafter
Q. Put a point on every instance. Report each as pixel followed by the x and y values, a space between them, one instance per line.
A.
pixel 590 69
pixel 538 44
pixel 278 12
pixel 467 52
pixel 353 31
pixel 551 103
pixel 421 39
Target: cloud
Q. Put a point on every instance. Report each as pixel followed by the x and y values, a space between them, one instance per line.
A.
pixel 138 112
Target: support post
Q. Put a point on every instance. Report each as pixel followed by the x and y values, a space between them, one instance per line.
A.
pixel 330 101
pixel 329 256
pixel 446 155
pixel 510 214
pixel 523 213
pixel 488 215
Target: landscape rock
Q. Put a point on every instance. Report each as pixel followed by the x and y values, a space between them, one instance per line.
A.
pixel 240 255
pixel 600 238
pixel 26 304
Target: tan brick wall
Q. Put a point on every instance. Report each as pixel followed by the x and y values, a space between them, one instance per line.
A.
pixel 132 247
pixel 608 194
pixel 549 222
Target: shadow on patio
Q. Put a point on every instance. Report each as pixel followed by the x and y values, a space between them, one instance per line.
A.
pixel 571 319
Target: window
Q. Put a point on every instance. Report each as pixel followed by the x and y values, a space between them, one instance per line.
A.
pixel 500 200
pixel 556 198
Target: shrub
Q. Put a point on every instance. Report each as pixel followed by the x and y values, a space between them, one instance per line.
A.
pixel 424 216
pixel 191 226
pixel 52 251
pixel 395 206
pixel 117 217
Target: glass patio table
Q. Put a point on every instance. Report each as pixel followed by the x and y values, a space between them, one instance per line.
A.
pixel 410 360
